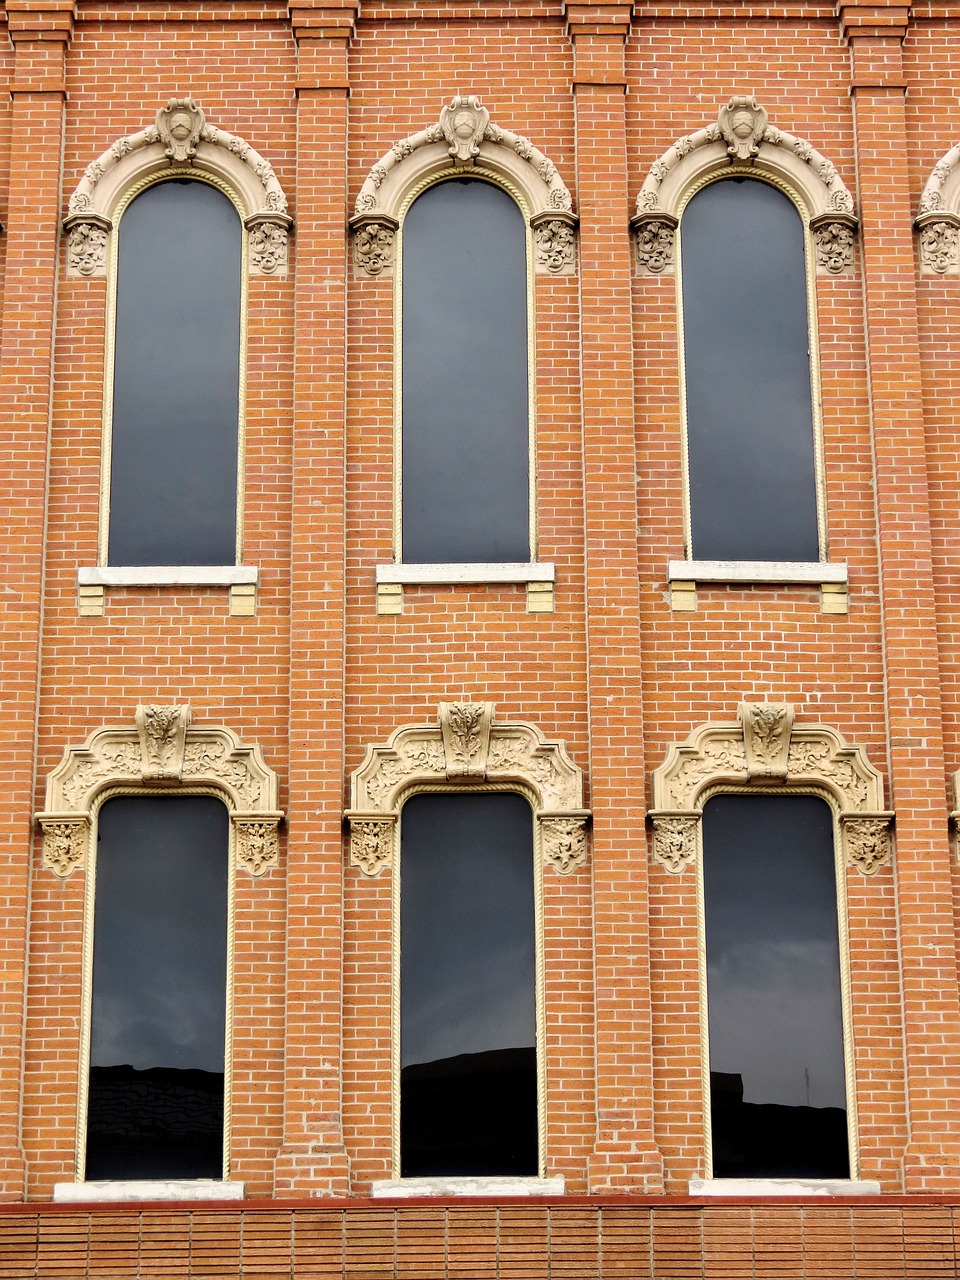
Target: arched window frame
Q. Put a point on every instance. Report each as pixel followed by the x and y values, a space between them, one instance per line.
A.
pixel 467 750
pixel 742 144
pixel 180 144
pixel 464 143
pixel 938 218
pixel 763 753
pixel 161 754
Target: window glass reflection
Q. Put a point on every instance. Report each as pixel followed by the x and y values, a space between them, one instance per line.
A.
pixel 749 404
pixel 158 1013
pixel 176 387
pixel 465 432
pixel 468 1081
pixel 777 1080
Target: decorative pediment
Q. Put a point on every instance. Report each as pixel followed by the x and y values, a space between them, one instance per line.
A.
pixel 180 142
pixel 765 749
pixel 743 140
pixel 467 747
pixel 161 751
pixel 464 141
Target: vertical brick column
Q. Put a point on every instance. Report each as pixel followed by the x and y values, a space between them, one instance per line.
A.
pixel 313 1160
pixel 40 32
pixel 931 1007
pixel 625 1157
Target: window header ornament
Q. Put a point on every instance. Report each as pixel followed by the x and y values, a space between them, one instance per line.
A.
pixel 762 750
pixel 179 138
pixel 743 137
pixel 161 751
pixel 464 139
pixel 467 747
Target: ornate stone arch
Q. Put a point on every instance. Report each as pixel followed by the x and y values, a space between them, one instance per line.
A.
pixel 938 217
pixel 466 745
pixel 462 140
pixel 180 141
pixel 161 752
pixel 764 750
pixel 743 139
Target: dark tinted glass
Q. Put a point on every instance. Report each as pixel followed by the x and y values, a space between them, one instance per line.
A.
pixel 749 404
pixel 468 1079
pixel 176 387
pixel 465 421
pixel 777 1084
pixel 159 989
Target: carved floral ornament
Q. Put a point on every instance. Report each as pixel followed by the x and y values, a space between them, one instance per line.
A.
pixel 467 745
pixel 765 749
pixel 938 218
pixel 181 140
pixel 743 137
pixel 161 752
pixel 463 140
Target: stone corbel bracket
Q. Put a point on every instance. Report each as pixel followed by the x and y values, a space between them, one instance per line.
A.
pixel 741 137
pixel 464 140
pixel 467 747
pixel 938 218
pixel 160 753
pixel 180 141
pixel 764 750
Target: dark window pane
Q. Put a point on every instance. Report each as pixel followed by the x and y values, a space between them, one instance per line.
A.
pixel 468 1079
pixel 777 1082
pixel 176 387
pixel 159 989
pixel 749 404
pixel 466 443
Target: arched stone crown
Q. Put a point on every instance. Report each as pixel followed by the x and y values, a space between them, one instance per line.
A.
pixel 467 746
pixel 938 217
pixel 464 140
pixel 764 750
pixel 742 138
pixel 181 141
pixel 161 752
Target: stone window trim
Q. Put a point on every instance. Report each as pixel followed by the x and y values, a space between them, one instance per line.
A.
pixel 684 576
pixel 180 137
pixel 241 581
pixel 163 751
pixel 466 748
pixel 743 139
pixel 462 140
pixel 764 750
pixel 938 218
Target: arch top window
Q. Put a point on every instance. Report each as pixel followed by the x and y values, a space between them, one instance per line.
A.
pixel 751 214
pixel 464 214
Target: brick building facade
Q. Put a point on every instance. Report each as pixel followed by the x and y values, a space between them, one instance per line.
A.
pixel 613 674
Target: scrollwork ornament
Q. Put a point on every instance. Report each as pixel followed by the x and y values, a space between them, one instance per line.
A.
pixel 564 843
pixel 940 247
pixel 180 126
pixel 257 844
pixel 373 248
pixel 371 844
pixel 268 248
pixel 742 123
pixel 64 845
pixel 87 249
pixel 866 843
pixel 833 243
pixel 463 124
pixel 555 246
pixel 675 841
pixel 655 246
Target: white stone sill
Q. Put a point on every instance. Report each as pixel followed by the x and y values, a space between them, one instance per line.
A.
pixel 756 571
pixel 448 574
pixel 746 1187
pixel 144 1189
pixel 407 1188
pixel 190 575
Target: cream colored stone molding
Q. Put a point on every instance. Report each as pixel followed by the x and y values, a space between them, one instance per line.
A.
pixel 742 137
pixel 766 749
pixel 538 575
pixel 938 218
pixel 467 745
pixel 683 576
pixel 180 136
pixel 161 751
pixel 241 579
pixel 464 138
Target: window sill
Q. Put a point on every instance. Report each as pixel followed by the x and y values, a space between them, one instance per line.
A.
pixel 146 1189
pixel 405 1188
pixel 781 1187
pixel 242 580
pixel 684 575
pixel 538 577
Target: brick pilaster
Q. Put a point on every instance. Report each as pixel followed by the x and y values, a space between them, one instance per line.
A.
pixel 313 1160
pixel 625 1157
pixel 931 1007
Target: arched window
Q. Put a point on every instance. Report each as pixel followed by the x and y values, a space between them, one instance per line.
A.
pixel 175 405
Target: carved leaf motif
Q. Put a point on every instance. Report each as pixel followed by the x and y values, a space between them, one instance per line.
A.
pixel 371 844
pixel 385 779
pixel 940 247
pixel 268 247
pixel 64 845
pixel 466 720
pixel 674 842
pixel 834 246
pixel 523 147
pixel 564 843
pixel 868 845
pixel 87 249
pixel 258 846
pixel 373 247
pixel 121 761
pixel 655 241
pixel 555 246
pixel 718 756
pixel 378 175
